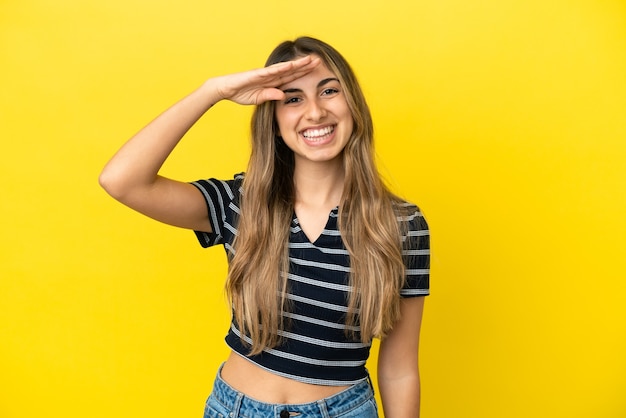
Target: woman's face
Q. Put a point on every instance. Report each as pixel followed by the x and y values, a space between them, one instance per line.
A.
pixel 314 119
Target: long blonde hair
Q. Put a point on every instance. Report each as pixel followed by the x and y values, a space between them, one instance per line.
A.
pixel 368 220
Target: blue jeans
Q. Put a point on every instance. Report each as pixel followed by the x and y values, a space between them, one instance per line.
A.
pixel 355 402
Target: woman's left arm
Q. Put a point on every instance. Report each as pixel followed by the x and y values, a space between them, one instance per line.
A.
pixel 398 370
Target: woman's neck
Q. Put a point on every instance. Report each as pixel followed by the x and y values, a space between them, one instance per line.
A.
pixel 319 185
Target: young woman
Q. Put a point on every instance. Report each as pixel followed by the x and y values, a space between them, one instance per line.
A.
pixel 322 257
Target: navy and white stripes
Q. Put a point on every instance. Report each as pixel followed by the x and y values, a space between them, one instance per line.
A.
pixel 316 348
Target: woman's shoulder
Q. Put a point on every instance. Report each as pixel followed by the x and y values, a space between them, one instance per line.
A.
pixel 239 177
pixel 404 207
pixel 236 186
pixel 235 183
pixel 409 214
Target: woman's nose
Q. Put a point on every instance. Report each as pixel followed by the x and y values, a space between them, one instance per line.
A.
pixel 315 111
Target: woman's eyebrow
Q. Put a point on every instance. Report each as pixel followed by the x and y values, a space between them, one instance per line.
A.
pixel 320 84
pixel 326 81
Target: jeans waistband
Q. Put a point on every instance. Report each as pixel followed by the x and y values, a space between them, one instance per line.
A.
pixel 334 405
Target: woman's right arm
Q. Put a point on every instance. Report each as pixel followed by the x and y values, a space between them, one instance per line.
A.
pixel 131 176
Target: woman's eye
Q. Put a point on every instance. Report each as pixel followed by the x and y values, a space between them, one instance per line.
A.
pixel 328 91
pixel 292 100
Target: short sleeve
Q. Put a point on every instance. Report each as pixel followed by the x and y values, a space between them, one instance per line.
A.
pixel 222 199
pixel 416 253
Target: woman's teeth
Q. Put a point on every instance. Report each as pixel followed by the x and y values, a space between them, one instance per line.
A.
pixel 317 133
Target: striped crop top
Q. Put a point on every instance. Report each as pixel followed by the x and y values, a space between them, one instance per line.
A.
pixel 315 349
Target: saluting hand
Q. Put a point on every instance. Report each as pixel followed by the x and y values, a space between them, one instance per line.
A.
pixel 257 86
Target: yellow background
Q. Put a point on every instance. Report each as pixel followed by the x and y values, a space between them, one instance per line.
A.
pixel 505 120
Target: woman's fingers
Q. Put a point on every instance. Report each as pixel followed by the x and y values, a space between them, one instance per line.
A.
pixel 285 72
pixel 269 94
pixel 294 65
pixel 258 86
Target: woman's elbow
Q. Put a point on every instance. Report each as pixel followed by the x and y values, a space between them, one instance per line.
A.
pixel 112 182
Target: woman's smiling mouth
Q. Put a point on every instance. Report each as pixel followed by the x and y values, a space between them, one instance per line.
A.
pixel 318 135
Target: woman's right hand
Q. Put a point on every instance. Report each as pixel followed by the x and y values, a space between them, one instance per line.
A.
pixel 260 85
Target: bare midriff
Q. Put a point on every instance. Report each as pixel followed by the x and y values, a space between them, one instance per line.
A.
pixel 264 386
